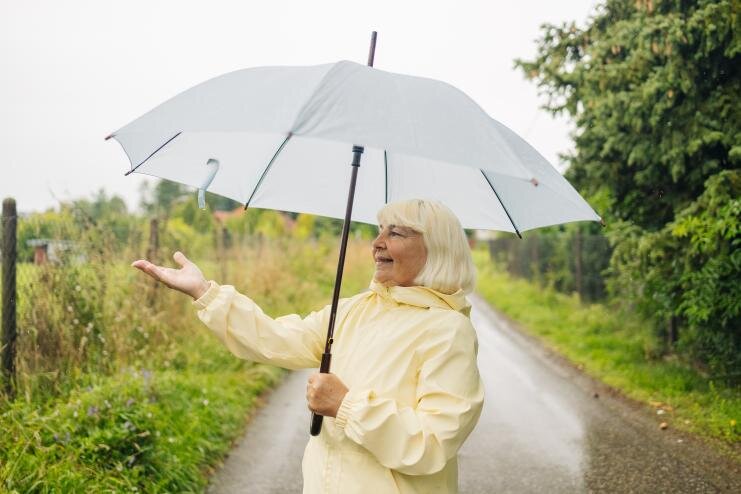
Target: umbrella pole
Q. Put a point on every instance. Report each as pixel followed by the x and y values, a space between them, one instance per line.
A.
pixel 316 419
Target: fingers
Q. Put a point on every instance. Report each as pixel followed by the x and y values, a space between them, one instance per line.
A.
pixel 141 264
pixel 180 259
pixel 148 268
pixel 309 393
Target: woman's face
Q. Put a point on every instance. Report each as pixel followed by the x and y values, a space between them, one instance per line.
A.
pixel 400 255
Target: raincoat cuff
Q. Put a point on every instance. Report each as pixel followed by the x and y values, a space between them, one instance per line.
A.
pixel 351 401
pixel 207 297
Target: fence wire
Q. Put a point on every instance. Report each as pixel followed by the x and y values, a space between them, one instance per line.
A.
pixel 567 261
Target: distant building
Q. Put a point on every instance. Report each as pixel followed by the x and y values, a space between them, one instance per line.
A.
pixel 53 250
pixel 222 216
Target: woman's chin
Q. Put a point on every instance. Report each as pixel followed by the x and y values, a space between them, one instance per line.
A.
pixel 382 278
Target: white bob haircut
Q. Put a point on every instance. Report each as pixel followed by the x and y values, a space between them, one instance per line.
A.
pixel 449 265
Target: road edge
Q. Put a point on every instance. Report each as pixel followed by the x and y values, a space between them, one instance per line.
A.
pixel 714 457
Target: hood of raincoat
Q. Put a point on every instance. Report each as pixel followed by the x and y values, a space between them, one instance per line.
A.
pixel 422 296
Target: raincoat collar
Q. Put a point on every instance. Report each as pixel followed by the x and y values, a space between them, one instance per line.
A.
pixel 422 296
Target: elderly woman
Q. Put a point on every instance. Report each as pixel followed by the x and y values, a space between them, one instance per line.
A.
pixel 405 391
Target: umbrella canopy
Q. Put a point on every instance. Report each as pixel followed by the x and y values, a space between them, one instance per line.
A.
pixel 278 138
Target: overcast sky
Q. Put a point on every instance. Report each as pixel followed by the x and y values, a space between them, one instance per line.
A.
pixel 74 71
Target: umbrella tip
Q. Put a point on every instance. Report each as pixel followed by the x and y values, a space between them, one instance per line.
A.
pixel 108 136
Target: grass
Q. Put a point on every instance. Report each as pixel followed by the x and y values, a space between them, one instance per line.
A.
pixel 122 389
pixel 617 349
pixel 134 432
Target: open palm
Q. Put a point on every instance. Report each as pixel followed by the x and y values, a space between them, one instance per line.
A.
pixel 188 279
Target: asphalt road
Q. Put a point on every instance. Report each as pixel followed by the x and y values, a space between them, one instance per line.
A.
pixel 545 428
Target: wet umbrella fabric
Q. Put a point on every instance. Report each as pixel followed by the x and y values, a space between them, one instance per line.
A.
pixel 279 138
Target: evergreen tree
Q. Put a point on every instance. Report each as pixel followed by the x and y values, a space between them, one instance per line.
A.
pixel 654 89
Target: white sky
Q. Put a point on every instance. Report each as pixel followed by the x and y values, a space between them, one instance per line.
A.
pixel 72 72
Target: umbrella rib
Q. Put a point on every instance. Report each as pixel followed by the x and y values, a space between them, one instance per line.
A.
pixel 265 171
pixel 386 182
pixel 500 202
pixel 153 153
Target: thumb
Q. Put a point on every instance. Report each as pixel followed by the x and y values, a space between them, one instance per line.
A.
pixel 181 259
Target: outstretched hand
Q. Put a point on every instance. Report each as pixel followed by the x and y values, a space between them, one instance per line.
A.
pixel 188 279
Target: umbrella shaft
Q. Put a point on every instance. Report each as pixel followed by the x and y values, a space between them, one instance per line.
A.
pixel 357 151
pixel 316 419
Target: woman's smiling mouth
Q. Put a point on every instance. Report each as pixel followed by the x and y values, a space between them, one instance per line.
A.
pixel 380 260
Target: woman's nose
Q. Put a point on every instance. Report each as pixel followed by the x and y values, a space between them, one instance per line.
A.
pixel 378 242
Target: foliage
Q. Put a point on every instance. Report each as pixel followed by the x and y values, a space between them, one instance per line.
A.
pixel 159 199
pixel 145 431
pixel 688 272
pixel 653 87
pixel 568 258
pixel 199 220
pixel 119 386
pixel 106 216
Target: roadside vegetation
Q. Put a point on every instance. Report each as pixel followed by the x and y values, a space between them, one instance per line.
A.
pixel 619 349
pixel 652 87
pixel 120 388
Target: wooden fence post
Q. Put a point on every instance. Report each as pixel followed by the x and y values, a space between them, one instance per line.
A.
pixel 153 255
pixel 9 330
pixel 221 243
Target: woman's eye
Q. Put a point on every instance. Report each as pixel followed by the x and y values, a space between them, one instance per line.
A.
pixel 395 234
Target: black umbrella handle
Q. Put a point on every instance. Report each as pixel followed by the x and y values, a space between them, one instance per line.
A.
pixel 316 423
pixel 316 419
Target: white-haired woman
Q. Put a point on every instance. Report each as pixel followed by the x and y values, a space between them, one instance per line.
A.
pixel 404 391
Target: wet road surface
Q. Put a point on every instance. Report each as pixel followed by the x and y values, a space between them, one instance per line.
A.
pixel 545 428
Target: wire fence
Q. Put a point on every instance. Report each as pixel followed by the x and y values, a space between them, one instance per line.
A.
pixel 568 261
pixel 73 306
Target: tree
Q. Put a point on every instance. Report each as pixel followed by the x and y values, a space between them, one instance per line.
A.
pixel 653 87
pixel 160 199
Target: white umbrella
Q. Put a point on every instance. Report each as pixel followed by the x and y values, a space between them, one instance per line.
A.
pixel 281 135
pixel 277 137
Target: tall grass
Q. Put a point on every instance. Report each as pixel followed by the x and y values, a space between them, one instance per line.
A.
pixel 120 387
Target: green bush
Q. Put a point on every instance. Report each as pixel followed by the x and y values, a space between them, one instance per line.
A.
pixel 151 431
pixel 685 277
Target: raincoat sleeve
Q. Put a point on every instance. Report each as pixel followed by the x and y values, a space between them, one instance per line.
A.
pixel 420 440
pixel 288 341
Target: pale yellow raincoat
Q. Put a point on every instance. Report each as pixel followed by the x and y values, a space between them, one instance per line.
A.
pixel 408 357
